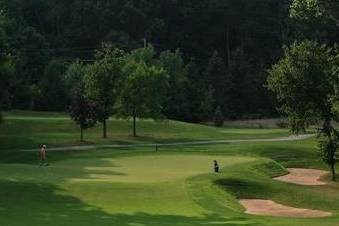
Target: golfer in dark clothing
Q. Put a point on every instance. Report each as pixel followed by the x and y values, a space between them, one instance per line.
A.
pixel 216 166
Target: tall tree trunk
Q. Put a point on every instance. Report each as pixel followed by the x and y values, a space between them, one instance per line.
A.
pixel 328 130
pixel 104 129
pixel 81 134
pixel 134 125
pixel 333 172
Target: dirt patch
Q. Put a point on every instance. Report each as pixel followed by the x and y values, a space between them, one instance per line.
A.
pixel 303 176
pixel 270 208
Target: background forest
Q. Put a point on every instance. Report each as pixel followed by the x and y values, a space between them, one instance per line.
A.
pixel 217 52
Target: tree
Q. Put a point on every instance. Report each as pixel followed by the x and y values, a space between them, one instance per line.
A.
pixel 82 111
pixel 177 105
pixel 52 87
pixel 41 31
pixel 75 75
pixel 32 62
pixel 216 75
pixel 143 92
pixel 308 20
pixel 199 94
pixel 101 82
pixel 6 68
pixel 332 7
pixel 304 81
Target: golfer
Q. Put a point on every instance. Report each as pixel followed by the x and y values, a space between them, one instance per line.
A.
pixel 43 155
pixel 216 166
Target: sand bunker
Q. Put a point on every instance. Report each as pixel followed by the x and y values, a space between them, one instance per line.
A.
pixel 270 208
pixel 303 176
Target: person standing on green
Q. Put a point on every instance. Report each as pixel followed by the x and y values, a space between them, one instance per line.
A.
pixel 43 155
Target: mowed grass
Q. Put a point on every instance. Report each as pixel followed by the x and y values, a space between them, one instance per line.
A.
pixel 25 130
pixel 175 186
pixel 171 187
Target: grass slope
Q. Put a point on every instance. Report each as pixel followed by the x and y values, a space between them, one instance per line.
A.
pixel 29 129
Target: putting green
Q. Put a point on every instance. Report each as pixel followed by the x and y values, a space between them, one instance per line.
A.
pixel 149 168
pixel 154 184
pixel 156 168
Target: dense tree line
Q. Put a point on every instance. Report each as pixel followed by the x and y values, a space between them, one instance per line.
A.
pixel 238 39
pixel 225 47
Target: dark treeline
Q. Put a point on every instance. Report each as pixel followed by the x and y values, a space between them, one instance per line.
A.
pixel 226 46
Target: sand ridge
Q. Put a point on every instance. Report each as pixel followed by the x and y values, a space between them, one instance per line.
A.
pixel 270 208
pixel 303 176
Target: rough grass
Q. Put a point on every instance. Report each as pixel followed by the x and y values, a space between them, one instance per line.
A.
pixel 22 130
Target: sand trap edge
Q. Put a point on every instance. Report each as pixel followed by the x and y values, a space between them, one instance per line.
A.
pixel 264 207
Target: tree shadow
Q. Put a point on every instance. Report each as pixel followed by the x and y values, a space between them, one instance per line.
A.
pixel 241 188
pixel 41 204
pixel 80 169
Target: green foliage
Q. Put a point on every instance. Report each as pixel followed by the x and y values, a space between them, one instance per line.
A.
pixel 52 87
pixel 306 10
pixel 217 77
pixel 74 76
pixel 143 55
pixel 241 84
pixel 82 111
pixel 101 82
pixel 308 20
pixel 7 80
pixel 177 105
pixel 6 68
pixel 304 84
pixel 331 7
pixel 329 146
pixel 199 95
pixel 42 31
pixel 143 90
pixel 33 55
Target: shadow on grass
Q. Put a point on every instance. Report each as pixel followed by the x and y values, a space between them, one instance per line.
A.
pixel 85 169
pixel 242 188
pixel 41 204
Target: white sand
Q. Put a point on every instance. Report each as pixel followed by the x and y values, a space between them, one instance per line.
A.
pixel 270 208
pixel 303 176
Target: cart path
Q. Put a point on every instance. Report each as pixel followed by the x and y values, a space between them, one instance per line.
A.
pixel 206 142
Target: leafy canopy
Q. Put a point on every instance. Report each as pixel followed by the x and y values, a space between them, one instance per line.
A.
pixel 303 81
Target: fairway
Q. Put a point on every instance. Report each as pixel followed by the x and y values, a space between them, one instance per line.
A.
pixel 56 129
pixel 175 186
pixel 169 113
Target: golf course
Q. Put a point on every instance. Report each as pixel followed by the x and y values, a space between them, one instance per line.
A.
pixel 135 184
pixel 169 113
